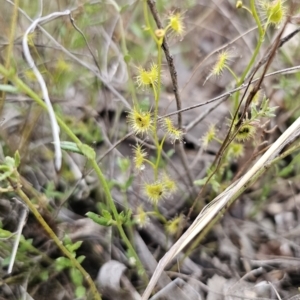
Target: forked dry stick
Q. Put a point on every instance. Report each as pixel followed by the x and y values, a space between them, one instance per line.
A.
pixel 223 201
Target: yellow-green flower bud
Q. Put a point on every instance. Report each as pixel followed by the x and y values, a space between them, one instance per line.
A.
pixel 239 4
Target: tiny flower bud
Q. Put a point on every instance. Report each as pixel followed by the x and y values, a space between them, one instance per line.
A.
pixel 160 33
pixel 239 4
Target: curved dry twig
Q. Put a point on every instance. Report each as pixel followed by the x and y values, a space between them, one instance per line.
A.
pixel 40 79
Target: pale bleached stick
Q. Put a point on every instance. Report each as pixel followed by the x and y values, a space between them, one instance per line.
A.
pixel 222 201
pixel 41 81
pixel 22 221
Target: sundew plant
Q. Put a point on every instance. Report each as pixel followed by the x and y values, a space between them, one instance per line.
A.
pixel 99 167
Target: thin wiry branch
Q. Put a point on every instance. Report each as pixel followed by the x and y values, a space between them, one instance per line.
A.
pixel 86 42
pixel 229 93
pixel 173 74
pixel 169 58
pixel 192 124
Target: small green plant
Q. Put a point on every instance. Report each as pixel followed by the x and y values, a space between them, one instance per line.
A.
pixel 127 72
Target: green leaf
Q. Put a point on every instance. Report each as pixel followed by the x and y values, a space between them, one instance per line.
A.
pixel 80 291
pixel 9 161
pixel 82 149
pixel 8 88
pixel 87 151
pixel 80 258
pixel 123 163
pixel 5 175
pixel 106 214
pixel 4 233
pixel 129 181
pixel 67 240
pixel 5 262
pixel 44 275
pixel 70 146
pixel 125 217
pixel 99 220
pixel 170 152
pixel 76 276
pixel 4 168
pixel 17 159
pixel 62 263
pixel 73 247
pixel 127 58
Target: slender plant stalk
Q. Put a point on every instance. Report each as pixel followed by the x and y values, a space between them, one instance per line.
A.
pixel 58 243
pixel 255 53
pixel 116 216
pixel 156 89
pixel 24 88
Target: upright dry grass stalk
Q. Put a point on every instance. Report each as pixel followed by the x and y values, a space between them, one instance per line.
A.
pixel 213 210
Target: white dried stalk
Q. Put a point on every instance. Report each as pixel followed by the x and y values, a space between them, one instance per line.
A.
pixel 221 201
pixel 22 222
pixel 30 61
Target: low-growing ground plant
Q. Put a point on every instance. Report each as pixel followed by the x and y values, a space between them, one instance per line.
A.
pixel 96 166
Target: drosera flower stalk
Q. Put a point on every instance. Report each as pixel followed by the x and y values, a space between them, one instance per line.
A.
pixel 261 32
pixel 170 184
pixel 155 191
pixel 174 225
pixel 141 218
pixel 140 122
pixel 209 136
pixel 172 132
pixel 239 4
pixel 175 23
pixel 235 150
pixel 139 157
pixel 147 78
pixel 160 189
pixel 222 64
pixel 273 12
pixel 245 132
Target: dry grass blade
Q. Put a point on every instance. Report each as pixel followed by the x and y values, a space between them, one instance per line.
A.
pixel 221 202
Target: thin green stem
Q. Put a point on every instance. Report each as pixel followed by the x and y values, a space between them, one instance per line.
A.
pixel 150 163
pixel 149 27
pixel 255 53
pixel 58 243
pixel 232 73
pixel 247 9
pixel 27 90
pixel 157 214
pixel 24 88
pixel 156 88
pixel 256 17
pixel 159 151
pixel 116 216
pixel 157 94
